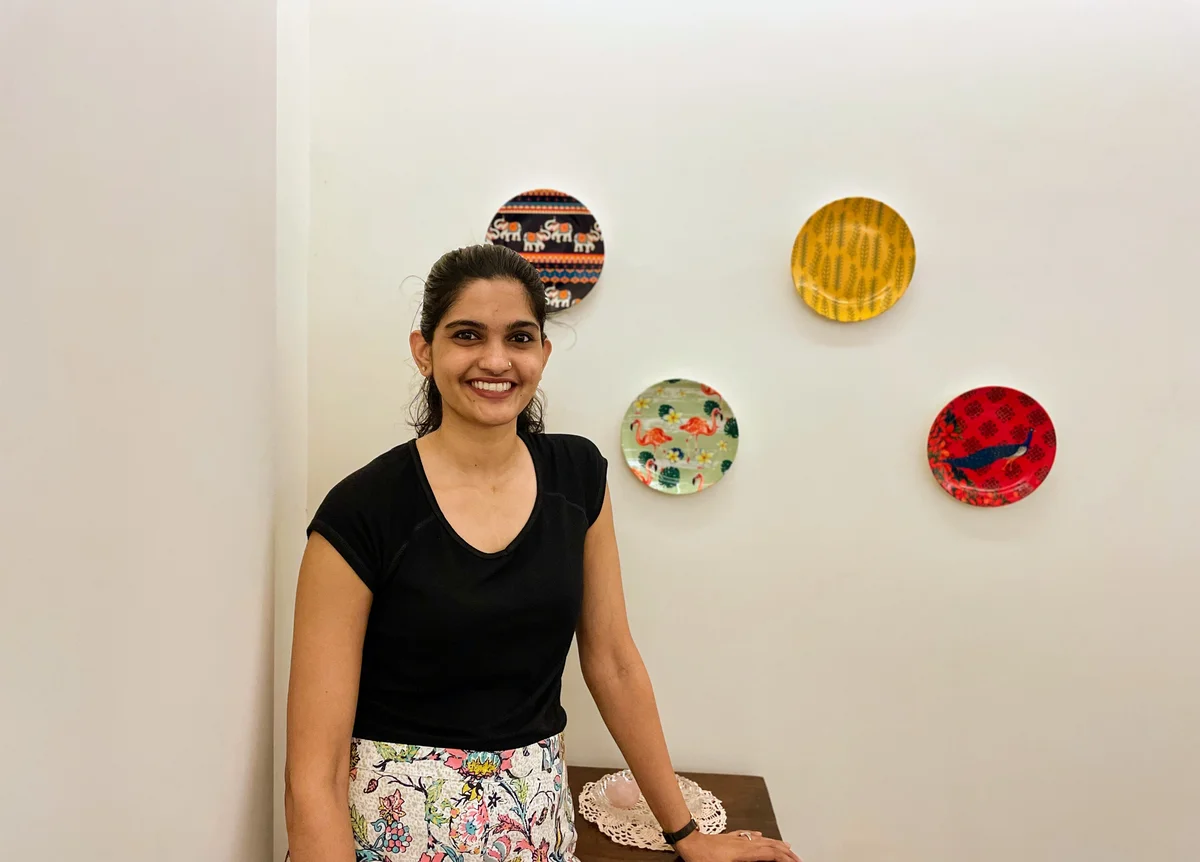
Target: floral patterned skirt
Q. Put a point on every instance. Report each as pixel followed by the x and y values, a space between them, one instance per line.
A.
pixel 448 805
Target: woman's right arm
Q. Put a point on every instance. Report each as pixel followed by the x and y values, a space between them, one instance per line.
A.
pixel 332 605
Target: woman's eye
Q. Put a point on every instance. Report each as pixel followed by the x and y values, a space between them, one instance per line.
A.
pixel 465 335
pixel 523 337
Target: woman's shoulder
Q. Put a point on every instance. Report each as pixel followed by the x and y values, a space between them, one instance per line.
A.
pixel 569 454
pixel 574 467
pixel 379 476
pixel 369 515
pixel 569 445
pixel 383 491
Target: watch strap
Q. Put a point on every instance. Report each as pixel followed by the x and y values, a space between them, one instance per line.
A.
pixel 674 838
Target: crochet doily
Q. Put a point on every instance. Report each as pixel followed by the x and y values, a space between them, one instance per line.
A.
pixel 637 826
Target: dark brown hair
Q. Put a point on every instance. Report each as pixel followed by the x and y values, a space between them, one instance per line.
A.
pixel 450 274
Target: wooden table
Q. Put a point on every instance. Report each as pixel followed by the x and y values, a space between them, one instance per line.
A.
pixel 747 805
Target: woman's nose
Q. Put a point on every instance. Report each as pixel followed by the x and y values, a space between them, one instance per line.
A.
pixel 495 361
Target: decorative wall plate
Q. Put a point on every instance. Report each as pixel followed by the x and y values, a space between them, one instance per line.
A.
pixel 679 437
pixel 991 446
pixel 558 235
pixel 853 259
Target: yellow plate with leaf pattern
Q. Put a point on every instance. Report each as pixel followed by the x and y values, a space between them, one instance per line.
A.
pixel 853 259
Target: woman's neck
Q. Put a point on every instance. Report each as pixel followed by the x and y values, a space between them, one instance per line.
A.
pixel 473 448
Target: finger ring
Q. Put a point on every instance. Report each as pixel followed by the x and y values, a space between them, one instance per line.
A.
pixel 747 836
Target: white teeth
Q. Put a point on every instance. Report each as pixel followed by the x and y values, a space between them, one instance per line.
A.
pixel 491 387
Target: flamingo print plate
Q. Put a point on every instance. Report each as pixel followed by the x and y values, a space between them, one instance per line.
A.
pixel 679 437
pixel 559 236
pixel 991 446
pixel 853 259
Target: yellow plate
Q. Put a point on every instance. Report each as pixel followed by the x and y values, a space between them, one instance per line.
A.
pixel 853 259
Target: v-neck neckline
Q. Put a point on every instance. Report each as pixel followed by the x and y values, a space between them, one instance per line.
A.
pixel 449 528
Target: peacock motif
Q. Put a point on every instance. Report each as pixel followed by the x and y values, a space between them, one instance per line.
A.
pixel 983 458
pixel 970 473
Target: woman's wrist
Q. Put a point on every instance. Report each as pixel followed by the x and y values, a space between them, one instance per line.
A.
pixel 675 836
pixel 684 847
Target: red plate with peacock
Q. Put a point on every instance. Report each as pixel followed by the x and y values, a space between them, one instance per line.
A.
pixel 991 446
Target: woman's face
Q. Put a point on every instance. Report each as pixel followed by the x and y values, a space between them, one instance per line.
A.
pixel 487 353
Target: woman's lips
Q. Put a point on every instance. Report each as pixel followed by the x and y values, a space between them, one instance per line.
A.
pixel 493 389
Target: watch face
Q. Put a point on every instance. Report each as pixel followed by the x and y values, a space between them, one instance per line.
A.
pixel 672 837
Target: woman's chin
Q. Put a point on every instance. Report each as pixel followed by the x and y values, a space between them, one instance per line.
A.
pixel 497 419
pixel 489 412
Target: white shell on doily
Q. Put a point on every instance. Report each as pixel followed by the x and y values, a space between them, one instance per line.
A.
pixel 637 826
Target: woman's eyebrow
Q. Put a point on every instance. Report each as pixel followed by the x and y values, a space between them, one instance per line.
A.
pixel 475 324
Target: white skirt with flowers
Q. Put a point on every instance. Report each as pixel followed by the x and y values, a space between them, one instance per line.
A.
pixel 448 805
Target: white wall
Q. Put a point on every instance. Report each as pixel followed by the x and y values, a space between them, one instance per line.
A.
pixel 136 348
pixel 291 368
pixel 916 679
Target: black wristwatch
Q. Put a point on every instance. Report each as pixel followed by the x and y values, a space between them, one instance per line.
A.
pixel 674 838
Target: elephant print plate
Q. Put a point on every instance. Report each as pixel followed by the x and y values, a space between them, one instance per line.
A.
pixel 991 446
pixel 559 236
pixel 679 437
pixel 853 259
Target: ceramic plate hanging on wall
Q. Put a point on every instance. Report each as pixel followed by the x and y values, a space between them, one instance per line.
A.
pixel 991 446
pixel 853 259
pixel 559 236
pixel 679 437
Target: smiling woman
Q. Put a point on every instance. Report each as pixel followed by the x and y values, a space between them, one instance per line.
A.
pixel 496 334
pixel 440 591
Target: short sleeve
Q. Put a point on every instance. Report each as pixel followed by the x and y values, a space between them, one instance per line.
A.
pixel 347 519
pixel 574 469
pixel 597 482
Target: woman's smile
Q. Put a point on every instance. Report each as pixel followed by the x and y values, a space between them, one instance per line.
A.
pixel 492 388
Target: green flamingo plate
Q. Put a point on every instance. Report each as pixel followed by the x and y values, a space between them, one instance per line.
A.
pixel 679 437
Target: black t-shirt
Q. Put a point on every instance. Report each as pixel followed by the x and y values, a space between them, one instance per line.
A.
pixel 465 649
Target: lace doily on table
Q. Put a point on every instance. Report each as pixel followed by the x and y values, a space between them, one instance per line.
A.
pixel 637 826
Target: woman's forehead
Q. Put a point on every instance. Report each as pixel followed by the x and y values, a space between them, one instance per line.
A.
pixel 496 299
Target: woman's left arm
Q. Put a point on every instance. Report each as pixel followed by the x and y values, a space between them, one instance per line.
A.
pixel 619 683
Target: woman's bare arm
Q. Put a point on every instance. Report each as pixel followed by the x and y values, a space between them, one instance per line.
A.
pixel 332 604
pixel 620 685
pixel 617 679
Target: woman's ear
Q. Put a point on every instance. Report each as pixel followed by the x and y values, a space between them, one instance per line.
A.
pixel 422 352
pixel 546 348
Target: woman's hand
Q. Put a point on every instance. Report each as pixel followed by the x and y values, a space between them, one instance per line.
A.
pixel 741 846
